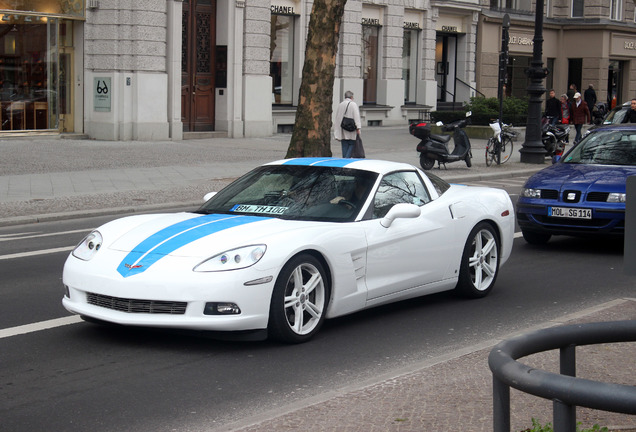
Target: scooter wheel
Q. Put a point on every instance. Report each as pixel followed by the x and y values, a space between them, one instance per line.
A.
pixel 469 162
pixel 426 163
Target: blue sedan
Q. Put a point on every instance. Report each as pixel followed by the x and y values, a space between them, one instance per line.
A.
pixel 584 192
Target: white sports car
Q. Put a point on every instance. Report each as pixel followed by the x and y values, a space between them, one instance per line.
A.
pixel 289 244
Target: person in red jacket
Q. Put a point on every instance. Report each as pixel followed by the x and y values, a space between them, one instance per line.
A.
pixel 580 115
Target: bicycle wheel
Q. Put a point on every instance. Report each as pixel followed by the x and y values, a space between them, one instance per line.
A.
pixel 489 154
pixel 506 148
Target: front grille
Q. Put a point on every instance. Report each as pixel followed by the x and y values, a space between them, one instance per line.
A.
pixel 571 196
pixel 549 194
pixel 595 223
pixel 597 196
pixel 136 306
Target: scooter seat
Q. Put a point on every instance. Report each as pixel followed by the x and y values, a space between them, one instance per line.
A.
pixel 441 138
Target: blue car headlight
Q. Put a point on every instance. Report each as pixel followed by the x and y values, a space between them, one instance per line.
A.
pixel 233 259
pixel 88 247
pixel 531 193
pixel 616 197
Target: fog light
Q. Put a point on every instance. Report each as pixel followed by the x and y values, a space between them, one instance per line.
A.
pixel 221 309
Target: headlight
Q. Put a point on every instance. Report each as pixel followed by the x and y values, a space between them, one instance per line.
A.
pixel 88 247
pixel 531 193
pixel 233 259
pixel 616 198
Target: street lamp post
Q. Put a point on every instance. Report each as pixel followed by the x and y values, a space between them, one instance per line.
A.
pixel 532 150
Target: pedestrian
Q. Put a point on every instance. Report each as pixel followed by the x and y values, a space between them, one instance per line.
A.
pixel 630 117
pixel 571 91
pixel 347 109
pixel 553 108
pixel 566 109
pixel 589 96
pixel 580 115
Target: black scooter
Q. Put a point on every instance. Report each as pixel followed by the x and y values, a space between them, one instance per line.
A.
pixel 435 147
pixel 554 137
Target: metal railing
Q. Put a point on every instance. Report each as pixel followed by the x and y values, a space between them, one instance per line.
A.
pixel 564 389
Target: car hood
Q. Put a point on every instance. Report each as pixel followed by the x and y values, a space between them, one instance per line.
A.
pixel 601 178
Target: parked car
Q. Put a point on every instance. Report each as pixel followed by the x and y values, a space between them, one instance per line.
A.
pixel 584 192
pixel 289 244
pixel 617 114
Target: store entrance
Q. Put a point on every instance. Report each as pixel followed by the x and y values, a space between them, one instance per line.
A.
pixel 197 65
pixel 445 62
pixel 615 83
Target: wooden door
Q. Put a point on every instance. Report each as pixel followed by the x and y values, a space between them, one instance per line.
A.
pixel 197 65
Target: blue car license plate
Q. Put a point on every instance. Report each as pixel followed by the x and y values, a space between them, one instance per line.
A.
pixel 572 213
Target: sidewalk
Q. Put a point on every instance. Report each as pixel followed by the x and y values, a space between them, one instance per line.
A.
pixel 50 178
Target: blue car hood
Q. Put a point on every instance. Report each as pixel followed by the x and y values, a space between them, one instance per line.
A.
pixel 601 178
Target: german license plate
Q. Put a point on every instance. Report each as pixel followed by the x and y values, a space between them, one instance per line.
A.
pixel 572 213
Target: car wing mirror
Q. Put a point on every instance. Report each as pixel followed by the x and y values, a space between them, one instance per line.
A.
pixel 208 195
pixel 402 210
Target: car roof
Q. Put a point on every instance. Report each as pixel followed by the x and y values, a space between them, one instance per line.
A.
pixel 377 166
pixel 617 126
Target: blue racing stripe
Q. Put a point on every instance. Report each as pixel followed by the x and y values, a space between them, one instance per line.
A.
pixel 324 162
pixel 176 236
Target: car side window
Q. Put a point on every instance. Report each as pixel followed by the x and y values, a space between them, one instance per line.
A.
pixel 396 188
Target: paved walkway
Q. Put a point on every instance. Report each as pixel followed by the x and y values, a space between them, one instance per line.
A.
pixel 44 178
pixel 49 178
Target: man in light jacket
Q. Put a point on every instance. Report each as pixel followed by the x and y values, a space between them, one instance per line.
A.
pixel 347 108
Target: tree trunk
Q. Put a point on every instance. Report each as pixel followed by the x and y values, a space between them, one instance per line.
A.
pixel 312 128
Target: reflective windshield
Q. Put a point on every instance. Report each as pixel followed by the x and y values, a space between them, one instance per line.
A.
pixel 606 147
pixel 296 192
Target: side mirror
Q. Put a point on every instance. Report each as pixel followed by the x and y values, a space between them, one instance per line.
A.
pixel 208 195
pixel 556 159
pixel 402 210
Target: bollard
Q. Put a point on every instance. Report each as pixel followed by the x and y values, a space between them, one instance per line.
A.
pixel 629 257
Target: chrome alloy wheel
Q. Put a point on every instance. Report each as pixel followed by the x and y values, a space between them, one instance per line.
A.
pixel 483 261
pixel 304 299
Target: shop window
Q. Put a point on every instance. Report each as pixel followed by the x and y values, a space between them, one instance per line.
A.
pixel 616 10
pixel 577 9
pixel 281 63
pixel 29 81
pixel 409 64
pixel 370 39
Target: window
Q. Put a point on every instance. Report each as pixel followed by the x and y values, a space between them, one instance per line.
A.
pixel 515 6
pixel 616 10
pixel 370 38
pixel 281 63
pixel 409 64
pixel 577 8
pixel 396 188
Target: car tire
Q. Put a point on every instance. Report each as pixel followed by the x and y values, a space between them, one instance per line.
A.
pixel 535 238
pixel 480 262
pixel 301 289
pixel 426 163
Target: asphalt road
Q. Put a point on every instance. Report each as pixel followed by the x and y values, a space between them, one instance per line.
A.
pixel 86 377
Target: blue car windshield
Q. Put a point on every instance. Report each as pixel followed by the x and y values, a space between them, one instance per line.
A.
pixel 605 147
pixel 296 192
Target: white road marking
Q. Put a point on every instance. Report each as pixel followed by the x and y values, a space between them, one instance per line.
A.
pixel 36 253
pixel 35 327
pixel 29 235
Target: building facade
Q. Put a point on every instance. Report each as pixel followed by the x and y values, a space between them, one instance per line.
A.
pixel 585 42
pixel 172 69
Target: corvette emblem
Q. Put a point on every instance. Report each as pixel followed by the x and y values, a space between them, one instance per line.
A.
pixel 131 266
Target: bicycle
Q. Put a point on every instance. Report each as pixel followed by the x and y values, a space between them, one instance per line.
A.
pixel 499 146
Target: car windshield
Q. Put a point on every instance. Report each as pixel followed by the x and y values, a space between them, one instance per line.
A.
pixel 605 147
pixel 296 192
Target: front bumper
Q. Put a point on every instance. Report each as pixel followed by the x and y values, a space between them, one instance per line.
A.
pixel 168 299
pixel 533 216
